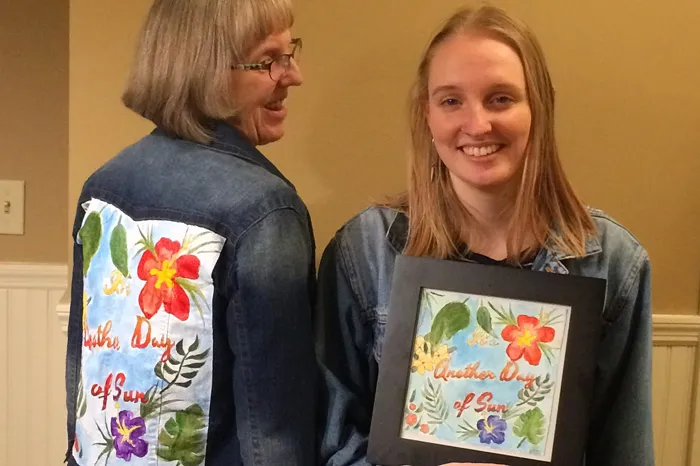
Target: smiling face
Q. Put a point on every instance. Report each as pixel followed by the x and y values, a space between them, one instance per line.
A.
pixel 478 113
pixel 261 99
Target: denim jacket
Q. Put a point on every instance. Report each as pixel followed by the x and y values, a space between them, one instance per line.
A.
pixel 354 282
pixel 190 329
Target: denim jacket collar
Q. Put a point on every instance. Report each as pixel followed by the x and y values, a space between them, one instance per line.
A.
pixel 549 259
pixel 230 140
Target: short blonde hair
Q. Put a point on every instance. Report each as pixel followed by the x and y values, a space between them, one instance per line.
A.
pixel 181 71
pixel 545 202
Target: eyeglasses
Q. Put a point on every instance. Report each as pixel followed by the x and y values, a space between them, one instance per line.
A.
pixel 277 67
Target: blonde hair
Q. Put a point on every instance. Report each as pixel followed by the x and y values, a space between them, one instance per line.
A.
pixel 546 207
pixel 181 71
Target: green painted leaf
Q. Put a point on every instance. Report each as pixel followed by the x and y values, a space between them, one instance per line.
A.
pixel 159 371
pixel 147 241
pixel 106 451
pixel 483 318
pixel 180 348
pixel 149 395
pixel 452 318
pixel 201 356
pixel 195 365
pixel 117 246
pixel 83 409
pixel 82 400
pixel 90 235
pixel 435 405
pixel 531 426
pixel 195 345
pixel 182 438
pixel 171 428
pixel 156 406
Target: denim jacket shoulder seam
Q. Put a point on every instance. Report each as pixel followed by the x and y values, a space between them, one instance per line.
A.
pixel 235 242
pixel 599 214
pixel 623 294
pixel 235 151
pixel 261 218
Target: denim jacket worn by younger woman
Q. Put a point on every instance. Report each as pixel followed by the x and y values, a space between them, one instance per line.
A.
pixel 190 333
pixel 354 283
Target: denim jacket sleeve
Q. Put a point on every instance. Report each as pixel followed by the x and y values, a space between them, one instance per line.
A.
pixel 344 342
pixel 269 322
pixel 621 427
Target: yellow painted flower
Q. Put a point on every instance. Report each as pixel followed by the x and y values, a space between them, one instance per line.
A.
pixel 419 345
pixel 441 354
pixel 422 357
pixel 117 284
pixel 422 362
pixel 425 358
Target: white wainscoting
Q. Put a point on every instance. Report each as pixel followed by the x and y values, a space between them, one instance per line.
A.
pixel 32 352
pixel 676 390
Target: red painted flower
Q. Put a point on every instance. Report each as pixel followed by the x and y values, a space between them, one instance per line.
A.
pixel 411 419
pixel 424 428
pixel 160 271
pixel 525 338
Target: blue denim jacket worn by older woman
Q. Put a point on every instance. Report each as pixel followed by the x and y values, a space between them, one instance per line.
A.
pixel 354 283
pixel 190 331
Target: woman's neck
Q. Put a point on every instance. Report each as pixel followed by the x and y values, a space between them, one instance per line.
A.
pixel 492 213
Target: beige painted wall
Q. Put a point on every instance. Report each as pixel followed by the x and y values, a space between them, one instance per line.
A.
pixel 627 110
pixel 33 123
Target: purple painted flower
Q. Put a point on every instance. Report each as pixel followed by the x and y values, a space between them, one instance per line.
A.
pixel 127 431
pixel 492 429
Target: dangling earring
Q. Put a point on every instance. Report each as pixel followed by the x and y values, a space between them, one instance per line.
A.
pixel 432 165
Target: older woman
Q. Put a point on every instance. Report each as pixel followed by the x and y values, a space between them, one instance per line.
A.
pixel 486 185
pixel 190 338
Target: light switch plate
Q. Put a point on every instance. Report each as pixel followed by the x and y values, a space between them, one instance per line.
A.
pixel 11 207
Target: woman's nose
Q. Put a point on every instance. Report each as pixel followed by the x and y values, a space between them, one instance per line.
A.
pixel 476 121
pixel 293 76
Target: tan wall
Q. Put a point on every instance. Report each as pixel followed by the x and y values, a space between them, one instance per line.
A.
pixel 627 110
pixel 33 123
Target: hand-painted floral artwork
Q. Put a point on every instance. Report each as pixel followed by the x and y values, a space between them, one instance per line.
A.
pixel 145 382
pixel 127 431
pixel 486 373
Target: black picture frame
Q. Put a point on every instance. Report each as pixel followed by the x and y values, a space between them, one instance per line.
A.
pixel 583 296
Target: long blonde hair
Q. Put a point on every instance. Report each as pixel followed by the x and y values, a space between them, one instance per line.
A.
pixel 181 71
pixel 546 207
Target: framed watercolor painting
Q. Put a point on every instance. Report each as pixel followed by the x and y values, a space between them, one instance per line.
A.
pixel 485 364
